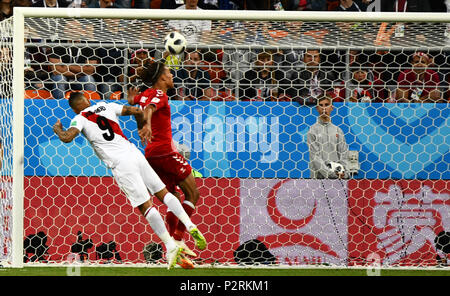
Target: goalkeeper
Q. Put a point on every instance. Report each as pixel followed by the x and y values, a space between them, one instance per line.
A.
pixel 99 124
pixel 328 150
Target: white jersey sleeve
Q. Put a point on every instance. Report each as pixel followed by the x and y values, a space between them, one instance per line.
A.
pixel 77 122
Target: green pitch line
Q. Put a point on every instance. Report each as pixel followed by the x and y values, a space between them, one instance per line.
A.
pixel 142 271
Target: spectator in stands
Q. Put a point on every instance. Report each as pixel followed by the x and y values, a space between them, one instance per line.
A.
pixel 293 4
pixel 262 83
pixel 328 148
pixel 36 70
pixel 123 3
pixel 290 60
pixel 209 4
pixel 361 85
pixel 357 78
pixel 33 74
pixel 419 84
pixel 109 4
pixel 143 4
pixel 270 4
pixel 348 5
pixel 171 4
pixel 333 5
pixel 6 9
pixel 410 31
pixel 72 64
pixel 51 3
pixel 22 3
pixel 79 3
pixel 345 60
pixel 385 68
pixel 405 5
pixel 236 61
pixel 191 81
pixel 212 62
pixel 110 71
pixel 230 4
pixel 255 4
pixel 138 59
pixel 52 24
pixel 350 32
pixel 312 82
pixel 194 31
pixel 5 64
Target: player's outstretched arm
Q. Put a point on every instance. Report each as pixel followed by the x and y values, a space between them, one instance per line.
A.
pixel 136 112
pixel 65 136
pixel 146 131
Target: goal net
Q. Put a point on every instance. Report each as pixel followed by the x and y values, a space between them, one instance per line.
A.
pixel 249 112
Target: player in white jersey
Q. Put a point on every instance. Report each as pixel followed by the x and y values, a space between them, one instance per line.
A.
pixel 99 124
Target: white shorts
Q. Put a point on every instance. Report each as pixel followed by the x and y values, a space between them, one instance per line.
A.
pixel 136 178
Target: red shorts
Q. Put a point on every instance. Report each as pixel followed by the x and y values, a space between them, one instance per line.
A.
pixel 172 169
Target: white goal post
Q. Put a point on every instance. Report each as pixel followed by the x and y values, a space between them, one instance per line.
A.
pixel 250 182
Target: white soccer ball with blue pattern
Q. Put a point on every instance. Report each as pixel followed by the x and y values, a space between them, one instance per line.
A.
pixel 175 43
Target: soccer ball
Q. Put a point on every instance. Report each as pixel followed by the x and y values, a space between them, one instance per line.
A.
pixel 175 43
pixel 335 167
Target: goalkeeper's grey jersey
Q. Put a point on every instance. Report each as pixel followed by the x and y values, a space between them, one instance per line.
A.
pixel 326 143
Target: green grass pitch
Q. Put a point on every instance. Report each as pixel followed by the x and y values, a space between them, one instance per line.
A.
pixel 161 271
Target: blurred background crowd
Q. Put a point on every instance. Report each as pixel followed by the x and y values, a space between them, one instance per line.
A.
pixel 265 74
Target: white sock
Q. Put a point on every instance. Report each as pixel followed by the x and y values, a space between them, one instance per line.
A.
pixel 189 203
pixel 176 208
pixel 157 224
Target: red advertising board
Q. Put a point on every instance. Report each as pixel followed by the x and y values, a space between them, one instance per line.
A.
pixel 397 220
pixel 62 206
pixel 301 221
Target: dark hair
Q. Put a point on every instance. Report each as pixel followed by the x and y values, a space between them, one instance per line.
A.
pixel 324 97
pixel 75 97
pixel 151 71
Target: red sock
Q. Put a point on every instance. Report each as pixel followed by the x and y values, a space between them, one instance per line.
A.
pixel 172 222
pixel 179 231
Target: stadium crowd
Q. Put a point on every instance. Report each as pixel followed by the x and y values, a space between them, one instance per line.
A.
pixel 275 74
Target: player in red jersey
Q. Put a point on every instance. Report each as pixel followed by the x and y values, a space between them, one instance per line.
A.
pixel 160 151
pixel 100 125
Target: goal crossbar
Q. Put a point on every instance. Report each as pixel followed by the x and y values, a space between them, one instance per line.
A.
pixel 236 15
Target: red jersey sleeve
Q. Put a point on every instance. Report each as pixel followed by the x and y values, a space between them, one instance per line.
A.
pixel 152 96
